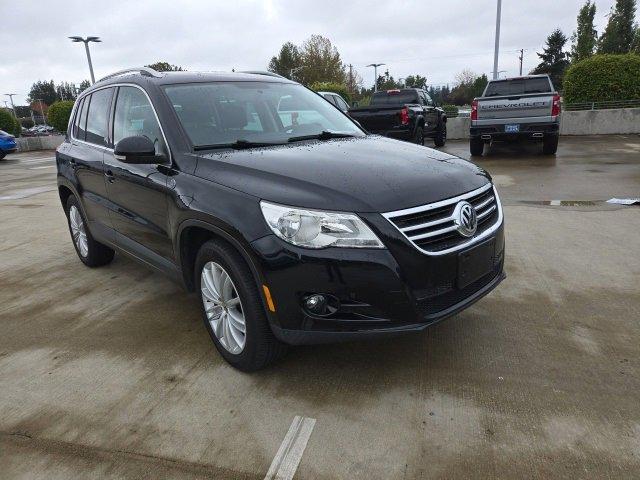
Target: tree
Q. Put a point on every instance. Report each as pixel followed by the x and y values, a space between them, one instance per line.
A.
pixel 84 85
pixel 585 38
pixel 59 113
pixel 618 36
pixel 43 90
pixel 415 81
pixel 554 60
pixel 468 86
pixel 635 46
pixel 66 91
pixel 287 62
pixel 8 123
pixel 165 67
pixel 321 61
pixel 387 82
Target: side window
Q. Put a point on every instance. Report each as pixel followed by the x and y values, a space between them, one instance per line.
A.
pixel 76 120
pixel 98 116
pixel 342 105
pixel 83 118
pixel 134 116
pixel 428 99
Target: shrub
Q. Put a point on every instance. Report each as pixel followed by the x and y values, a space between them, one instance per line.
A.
pixel 450 110
pixel 603 78
pixel 26 122
pixel 8 123
pixel 333 87
pixel 59 114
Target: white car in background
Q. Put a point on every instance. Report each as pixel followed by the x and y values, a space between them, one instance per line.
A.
pixel 336 100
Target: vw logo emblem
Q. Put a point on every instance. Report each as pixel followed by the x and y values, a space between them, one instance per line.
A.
pixel 465 220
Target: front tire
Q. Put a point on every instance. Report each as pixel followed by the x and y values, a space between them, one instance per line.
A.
pixel 91 252
pixel 232 309
pixel 476 147
pixel 441 136
pixel 2 154
pixel 550 145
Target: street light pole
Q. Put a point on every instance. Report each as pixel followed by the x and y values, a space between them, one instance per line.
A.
pixel 86 48
pixel 497 45
pixel 375 73
pixel 13 108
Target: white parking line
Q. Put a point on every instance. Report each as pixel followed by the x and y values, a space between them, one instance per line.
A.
pixel 38 168
pixel 286 461
pixel 27 192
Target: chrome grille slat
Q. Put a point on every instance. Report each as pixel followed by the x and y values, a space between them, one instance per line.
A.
pixel 444 240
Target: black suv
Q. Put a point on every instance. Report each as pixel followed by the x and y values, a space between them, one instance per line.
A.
pixel 292 224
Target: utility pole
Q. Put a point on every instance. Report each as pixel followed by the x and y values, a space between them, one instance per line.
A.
pixel 86 48
pixel 350 78
pixel 497 45
pixel 44 119
pixel 375 73
pixel 13 108
pixel 521 58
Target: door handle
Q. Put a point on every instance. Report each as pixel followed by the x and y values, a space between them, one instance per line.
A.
pixel 110 176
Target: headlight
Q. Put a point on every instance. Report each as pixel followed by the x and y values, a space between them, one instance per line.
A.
pixel 317 229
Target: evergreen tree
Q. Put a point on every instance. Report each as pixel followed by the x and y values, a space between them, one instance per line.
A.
pixel 554 59
pixel 45 91
pixel 585 38
pixel 165 67
pixel 619 35
pixel 287 62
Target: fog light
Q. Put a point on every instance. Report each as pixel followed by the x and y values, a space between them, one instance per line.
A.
pixel 315 304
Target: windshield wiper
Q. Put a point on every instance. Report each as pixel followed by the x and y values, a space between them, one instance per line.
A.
pixel 237 145
pixel 324 135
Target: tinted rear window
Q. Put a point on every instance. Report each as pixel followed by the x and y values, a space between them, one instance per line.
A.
pixel 395 98
pixel 518 87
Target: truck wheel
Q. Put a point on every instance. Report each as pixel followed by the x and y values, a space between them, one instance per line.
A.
pixel 232 309
pixel 550 145
pixel 441 137
pixel 476 147
pixel 418 137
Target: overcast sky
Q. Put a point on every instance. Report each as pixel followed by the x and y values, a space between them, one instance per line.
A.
pixel 437 39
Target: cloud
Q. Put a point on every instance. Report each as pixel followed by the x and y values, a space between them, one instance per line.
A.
pixel 433 38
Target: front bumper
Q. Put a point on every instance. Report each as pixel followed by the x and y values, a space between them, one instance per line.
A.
pixel 381 292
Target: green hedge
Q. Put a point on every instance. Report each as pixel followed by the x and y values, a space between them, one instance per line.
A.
pixel 332 87
pixel 8 123
pixel 450 110
pixel 603 78
pixel 59 113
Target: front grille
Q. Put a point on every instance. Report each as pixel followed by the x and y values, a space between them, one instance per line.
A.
pixel 431 228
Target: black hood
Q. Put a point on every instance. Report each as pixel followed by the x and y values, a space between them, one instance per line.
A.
pixel 367 174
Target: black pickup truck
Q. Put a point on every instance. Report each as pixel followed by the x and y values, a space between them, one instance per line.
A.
pixel 408 114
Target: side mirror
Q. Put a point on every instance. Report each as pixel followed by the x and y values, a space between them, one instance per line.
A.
pixel 136 149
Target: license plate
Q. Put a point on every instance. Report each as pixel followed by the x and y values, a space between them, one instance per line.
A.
pixel 512 128
pixel 475 263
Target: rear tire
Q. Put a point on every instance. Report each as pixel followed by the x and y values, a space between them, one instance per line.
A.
pixel 258 347
pixel 91 252
pixel 418 137
pixel 441 136
pixel 550 145
pixel 2 155
pixel 476 147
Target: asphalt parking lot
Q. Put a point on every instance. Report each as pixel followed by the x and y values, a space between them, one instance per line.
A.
pixel 110 372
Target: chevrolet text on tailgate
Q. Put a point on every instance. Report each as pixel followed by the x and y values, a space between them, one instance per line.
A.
pixel 291 224
pixel 516 109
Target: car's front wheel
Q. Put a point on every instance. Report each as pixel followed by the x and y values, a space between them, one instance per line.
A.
pixel 91 252
pixel 232 308
pixel 2 154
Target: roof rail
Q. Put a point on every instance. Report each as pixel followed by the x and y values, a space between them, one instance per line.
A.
pixel 146 71
pixel 263 72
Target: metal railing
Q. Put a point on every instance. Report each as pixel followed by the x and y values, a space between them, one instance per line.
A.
pixel 601 105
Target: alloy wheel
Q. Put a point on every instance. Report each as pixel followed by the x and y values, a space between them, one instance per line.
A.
pixel 223 307
pixel 78 231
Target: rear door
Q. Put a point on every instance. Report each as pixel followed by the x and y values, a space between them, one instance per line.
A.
pixel 139 193
pixel 88 145
pixel 430 113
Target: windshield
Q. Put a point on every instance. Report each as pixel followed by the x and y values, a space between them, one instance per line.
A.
pixel 243 113
pixel 520 86
pixel 395 97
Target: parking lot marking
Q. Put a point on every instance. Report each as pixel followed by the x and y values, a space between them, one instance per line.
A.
pixel 38 168
pixel 27 192
pixel 286 461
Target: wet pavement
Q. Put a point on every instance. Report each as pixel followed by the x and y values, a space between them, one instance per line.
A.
pixel 109 372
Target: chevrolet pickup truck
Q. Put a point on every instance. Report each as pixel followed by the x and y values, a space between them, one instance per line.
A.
pixel 516 109
pixel 408 114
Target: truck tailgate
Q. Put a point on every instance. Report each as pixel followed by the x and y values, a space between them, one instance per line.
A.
pixel 377 120
pixel 528 107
